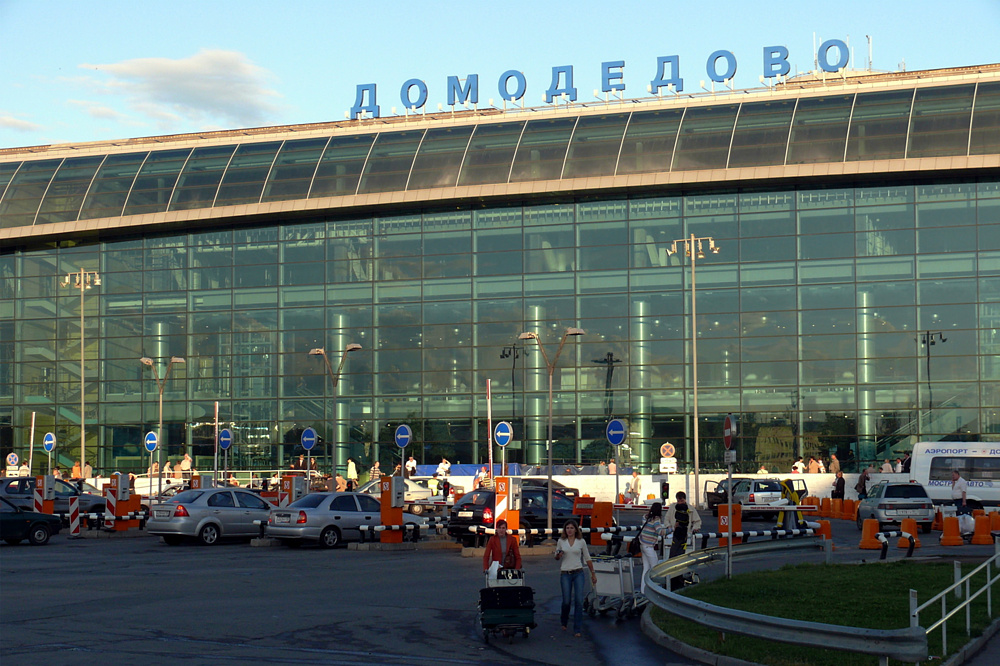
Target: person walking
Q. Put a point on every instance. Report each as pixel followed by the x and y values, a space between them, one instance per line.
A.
pixel 683 520
pixel 88 471
pixel 635 487
pixel 352 474
pixel 76 472
pixel 813 465
pixel 834 464
pixel 186 466
pixel 573 555
pixel 649 538
pixel 959 492
pixel 862 485
pixel 503 548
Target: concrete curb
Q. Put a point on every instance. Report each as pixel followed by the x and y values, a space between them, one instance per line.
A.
pixel 655 634
pixel 377 545
pixel 108 534
pixel 972 648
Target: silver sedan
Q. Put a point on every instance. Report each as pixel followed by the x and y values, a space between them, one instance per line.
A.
pixel 208 515
pixel 327 518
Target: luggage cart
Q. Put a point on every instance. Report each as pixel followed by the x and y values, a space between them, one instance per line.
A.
pixel 615 588
pixel 506 605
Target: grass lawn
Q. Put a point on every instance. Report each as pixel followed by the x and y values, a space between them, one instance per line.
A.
pixel 873 596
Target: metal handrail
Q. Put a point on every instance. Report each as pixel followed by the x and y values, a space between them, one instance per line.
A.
pixel 960 587
pixel 909 644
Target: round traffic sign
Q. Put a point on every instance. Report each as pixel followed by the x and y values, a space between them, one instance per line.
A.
pixel 667 450
pixel 49 442
pixel 12 459
pixel 309 438
pixel 151 441
pixel 403 436
pixel 727 432
pixel 503 433
pixel 225 438
pixel 616 432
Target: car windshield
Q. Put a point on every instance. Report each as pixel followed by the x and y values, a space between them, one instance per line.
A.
pixel 908 490
pixel 186 497
pixel 478 498
pixel 309 501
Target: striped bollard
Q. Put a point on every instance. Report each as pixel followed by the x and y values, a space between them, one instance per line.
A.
pixel 283 499
pixel 111 504
pixel 39 507
pixel 74 516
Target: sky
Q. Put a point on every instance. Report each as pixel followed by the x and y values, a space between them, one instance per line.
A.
pixel 102 70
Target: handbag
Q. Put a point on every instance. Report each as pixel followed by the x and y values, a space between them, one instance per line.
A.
pixel 508 559
pixel 633 545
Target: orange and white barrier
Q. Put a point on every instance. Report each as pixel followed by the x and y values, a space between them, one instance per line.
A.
pixel 74 516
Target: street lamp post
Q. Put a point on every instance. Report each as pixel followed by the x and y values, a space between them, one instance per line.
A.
pixel 927 340
pixel 160 385
pixel 82 280
pixel 513 352
pixel 551 369
pixel 694 248
pixel 335 377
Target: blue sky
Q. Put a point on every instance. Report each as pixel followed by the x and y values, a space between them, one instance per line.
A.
pixel 89 71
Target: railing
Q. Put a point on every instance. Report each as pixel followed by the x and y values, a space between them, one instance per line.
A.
pixel 961 588
pixel 909 644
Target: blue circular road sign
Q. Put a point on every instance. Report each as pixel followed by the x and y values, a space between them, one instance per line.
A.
pixel 225 438
pixel 151 441
pixel 403 436
pixel 503 433
pixel 12 459
pixel 49 442
pixel 309 439
pixel 616 432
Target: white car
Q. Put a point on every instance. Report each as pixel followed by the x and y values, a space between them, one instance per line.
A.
pixel 415 491
pixel 327 518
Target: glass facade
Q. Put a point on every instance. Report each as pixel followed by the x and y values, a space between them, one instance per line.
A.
pixel 960 119
pixel 842 314
pixel 813 323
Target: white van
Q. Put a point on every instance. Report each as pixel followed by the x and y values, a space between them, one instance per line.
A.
pixel 978 463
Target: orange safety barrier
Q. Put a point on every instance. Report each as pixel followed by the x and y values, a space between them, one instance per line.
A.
pixel 938 523
pixel 951 535
pixel 909 525
pixel 824 530
pixel 868 539
pixel 850 511
pixel 602 516
pixel 734 525
pixel 824 507
pixel 837 508
pixel 995 521
pixel 982 536
pixel 978 512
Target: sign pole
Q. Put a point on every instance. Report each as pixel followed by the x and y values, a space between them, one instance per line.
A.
pixel 489 423
pixel 729 429
pixel 31 444
pixel 215 472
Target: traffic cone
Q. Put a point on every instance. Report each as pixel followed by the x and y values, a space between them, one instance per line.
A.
pixel 868 539
pixel 824 508
pixel 995 521
pixel 938 523
pixel 982 536
pixel 837 509
pixel 978 512
pixel 951 535
pixel 824 530
pixel 850 510
pixel 909 526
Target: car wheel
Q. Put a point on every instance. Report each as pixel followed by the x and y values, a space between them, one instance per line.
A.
pixel 172 540
pixel 860 522
pixel 13 542
pixel 209 534
pixel 38 535
pixel 329 537
pixel 416 509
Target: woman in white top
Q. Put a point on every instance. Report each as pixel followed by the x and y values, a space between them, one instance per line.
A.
pixel 573 554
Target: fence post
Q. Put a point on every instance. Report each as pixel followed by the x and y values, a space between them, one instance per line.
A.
pixel 914 619
pixel 958 579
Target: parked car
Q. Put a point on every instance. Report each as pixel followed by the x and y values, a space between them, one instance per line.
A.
pixel 889 502
pixel 20 491
pixel 751 493
pixel 328 518
pixel 208 515
pixel 415 490
pixel 542 482
pixel 478 508
pixel 716 492
pixel 17 524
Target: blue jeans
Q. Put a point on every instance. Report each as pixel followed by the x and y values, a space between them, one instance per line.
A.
pixel 572 586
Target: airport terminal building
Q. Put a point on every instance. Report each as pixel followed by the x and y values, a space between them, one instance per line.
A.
pixel 846 280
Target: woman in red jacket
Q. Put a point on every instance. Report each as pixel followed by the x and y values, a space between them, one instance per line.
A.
pixel 502 548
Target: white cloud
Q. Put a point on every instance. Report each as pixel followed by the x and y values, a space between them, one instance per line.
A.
pixel 19 125
pixel 212 87
pixel 95 110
